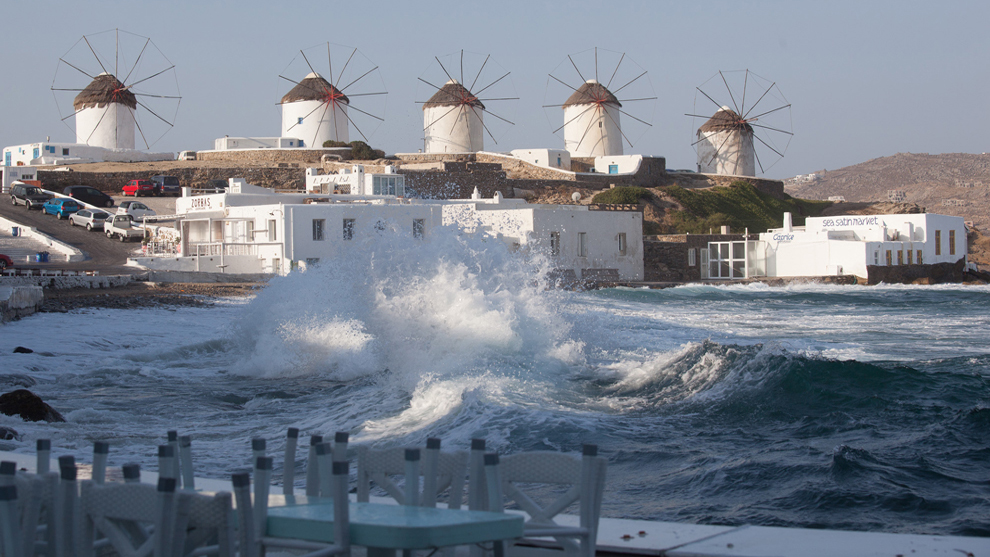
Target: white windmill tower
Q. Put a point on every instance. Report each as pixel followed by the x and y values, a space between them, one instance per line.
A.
pixel 317 109
pixel 730 142
pixel 592 121
pixel 454 116
pixel 593 124
pixel 105 114
pixel 106 109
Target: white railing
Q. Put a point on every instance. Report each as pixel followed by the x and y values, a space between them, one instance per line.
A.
pixel 221 248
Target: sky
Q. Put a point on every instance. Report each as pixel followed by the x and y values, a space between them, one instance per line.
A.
pixel 864 79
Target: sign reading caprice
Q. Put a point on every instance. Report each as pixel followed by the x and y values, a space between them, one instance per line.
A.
pixel 783 237
pixel 843 222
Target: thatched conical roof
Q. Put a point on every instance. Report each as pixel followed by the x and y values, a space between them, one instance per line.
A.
pixel 725 119
pixel 314 88
pixel 453 94
pixel 592 92
pixel 103 90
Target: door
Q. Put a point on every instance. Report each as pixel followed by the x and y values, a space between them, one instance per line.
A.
pixel 613 169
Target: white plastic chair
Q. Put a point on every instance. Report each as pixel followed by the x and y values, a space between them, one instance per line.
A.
pixel 439 471
pixel 253 542
pixel 584 481
pixel 125 514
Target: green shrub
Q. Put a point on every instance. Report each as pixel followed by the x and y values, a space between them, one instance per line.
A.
pixel 739 205
pixel 622 195
pixel 360 151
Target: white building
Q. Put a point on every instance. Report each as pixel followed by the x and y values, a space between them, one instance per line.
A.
pixel 550 158
pixel 45 153
pixel 228 143
pixel 356 181
pixel 591 122
pixel 843 245
pixel 453 121
pixel 105 114
pixel 315 111
pixel 725 145
pixel 11 174
pixel 248 229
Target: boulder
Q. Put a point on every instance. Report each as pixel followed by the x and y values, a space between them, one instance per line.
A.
pixel 22 350
pixel 28 406
pixel 9 434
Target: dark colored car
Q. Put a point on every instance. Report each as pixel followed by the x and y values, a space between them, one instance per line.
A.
pixel 139 187
pixel 166 185
pixel 25 194
pixel 61 207
pixel 5 262
pixel 89 195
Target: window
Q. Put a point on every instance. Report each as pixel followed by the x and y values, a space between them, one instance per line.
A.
pixel 419 225
pixel 250 231
pixel 276 265
pixel 348 229
pixel 555 243
pixel 272 236
pixel 582 244
pixel 910 255
pixel 876 258
pixel 890 260
pixel 900 257
pixel 65 151
pixel 938 242
pixel 952 242
pixel 622 243
pixel 920 261
pixel 387 185
pixel 300 121
pixel 692 257
pixel 318 226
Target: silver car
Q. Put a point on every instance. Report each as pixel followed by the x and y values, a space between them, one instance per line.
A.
pixel 90 218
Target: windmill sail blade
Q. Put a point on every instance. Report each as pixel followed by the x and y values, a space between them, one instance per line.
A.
pixel 319 124
pixel 709 98
pixel 759 99
pixel 620 129
pixel 583 80
pixel 483 125
pixel 634 118
pixel 443 68
pixel 500 118
pixel 769 128
pixel 77 69
pixel 143 138
pixel 757 155
pixel 779 154
pixel 98 122
pixel 475 82
pixel 428 83
pixel 98 61
pixel 347 63
pixel 630 83
pixel 492 83
pixel 135 65
pixel 349 119
pixel 351 107
pixel 621 58
pixel 742 105
pixel 153 113
pixel 149 77
pixel 636 100
pixel 308 64
pixel 562 83
pixel 580 114
pixel 731 97
pixel 358 79
pixel 306 116
pixel 770 112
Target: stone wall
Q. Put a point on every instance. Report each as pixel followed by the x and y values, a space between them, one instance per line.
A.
pixel 310 157
pixel 937 273
pixel 665 258
pixel 112 182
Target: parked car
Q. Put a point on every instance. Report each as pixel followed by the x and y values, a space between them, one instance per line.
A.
pixel 89 195
pixel 5 262
pixel 135 209
pixel 28 195
pixel 139 187
pixel 61 207
pixel 90 218
pixel 122 226
pixel 166 185
pixel 187 155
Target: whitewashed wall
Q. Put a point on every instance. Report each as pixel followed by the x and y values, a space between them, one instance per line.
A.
pixel 727 152
pixel 321 122
pixel 592 133
pixel 460 130
pixel 111 126
pixel 627 164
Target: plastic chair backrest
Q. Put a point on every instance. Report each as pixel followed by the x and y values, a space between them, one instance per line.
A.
pixel 382 466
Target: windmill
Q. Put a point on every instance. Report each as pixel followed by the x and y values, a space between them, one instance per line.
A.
pixel 731 141
pixel 611 86
pixel 341 89
pixel 126 72
pixel 454 115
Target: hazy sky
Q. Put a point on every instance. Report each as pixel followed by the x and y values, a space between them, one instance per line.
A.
pixel 865 79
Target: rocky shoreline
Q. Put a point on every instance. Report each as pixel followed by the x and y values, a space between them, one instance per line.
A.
pixel 144 295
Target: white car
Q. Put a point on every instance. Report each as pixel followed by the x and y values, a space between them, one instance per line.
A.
pixel 90 218
pixel 135 209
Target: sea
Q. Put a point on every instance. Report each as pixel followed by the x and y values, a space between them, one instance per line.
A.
pixel 810 405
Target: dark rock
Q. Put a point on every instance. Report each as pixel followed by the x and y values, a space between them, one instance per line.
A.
pixel 28 406
pixel 9 434
pixel 22 350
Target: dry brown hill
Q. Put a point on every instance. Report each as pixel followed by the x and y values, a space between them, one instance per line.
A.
pixel 950 184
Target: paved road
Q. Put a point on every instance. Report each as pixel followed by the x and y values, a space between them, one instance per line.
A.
pixel 103 255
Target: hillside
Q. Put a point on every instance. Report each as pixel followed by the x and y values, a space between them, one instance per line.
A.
pixel 951 184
